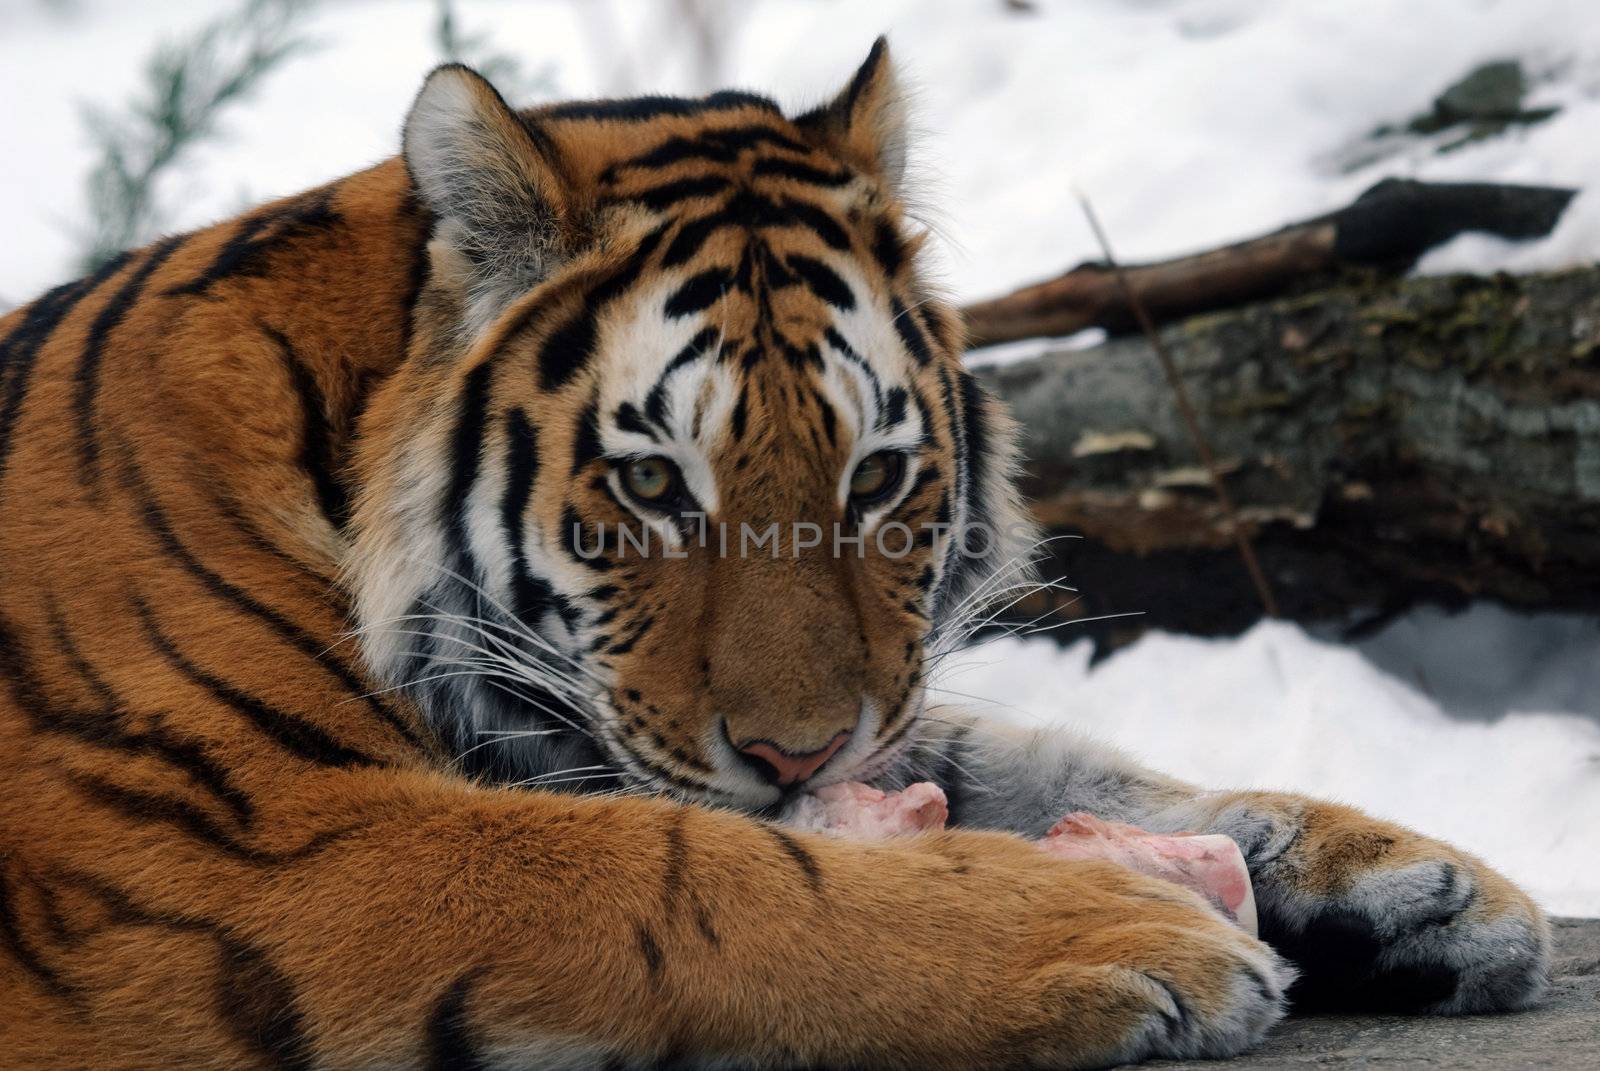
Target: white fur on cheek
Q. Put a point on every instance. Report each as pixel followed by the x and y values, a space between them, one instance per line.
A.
pixel 634 349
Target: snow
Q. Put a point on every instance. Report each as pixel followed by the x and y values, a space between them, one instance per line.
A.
pixel 1188 123
pixel 1277 709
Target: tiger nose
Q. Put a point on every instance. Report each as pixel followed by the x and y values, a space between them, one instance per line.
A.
pixel 779 767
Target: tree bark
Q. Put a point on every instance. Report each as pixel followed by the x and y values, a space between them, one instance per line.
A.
pixel 1388 227
pixel 1387 443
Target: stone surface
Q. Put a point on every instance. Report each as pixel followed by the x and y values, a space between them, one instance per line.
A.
pixel 1563 1033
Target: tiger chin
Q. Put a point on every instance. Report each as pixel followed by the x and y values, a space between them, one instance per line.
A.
pixel 417 593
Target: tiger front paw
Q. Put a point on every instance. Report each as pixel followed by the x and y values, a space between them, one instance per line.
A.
pixel 1105 966
pixel 1377 917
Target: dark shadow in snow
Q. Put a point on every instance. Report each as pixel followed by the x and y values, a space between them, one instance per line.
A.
pixel 1487 661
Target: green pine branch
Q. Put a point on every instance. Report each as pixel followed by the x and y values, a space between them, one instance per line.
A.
pixel 187 86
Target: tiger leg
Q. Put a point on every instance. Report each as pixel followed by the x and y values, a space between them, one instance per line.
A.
pixel 1373 915
pixel 409 921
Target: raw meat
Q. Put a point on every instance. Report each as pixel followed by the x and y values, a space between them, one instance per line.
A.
pixel 1211 865
pixel 851 809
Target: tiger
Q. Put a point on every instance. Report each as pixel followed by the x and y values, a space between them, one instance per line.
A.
pixel 347 726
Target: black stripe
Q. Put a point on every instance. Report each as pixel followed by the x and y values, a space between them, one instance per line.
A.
pixel 741 412
pixel 21 348
pixel 104 728
pixel 160 527
pixel 16 942
pixel 715 146
pixel 937 329
pixel 627 418
pixel 823 281
pixel 829 421
pixel 626 645
pixel 751 210
pixel 691 237
pixel 530 594
pixel 893 411
pixel 169 810
pixel 974 436
pixel 973 442
pixel 651 951
pixel 316 433
pixel 910 332
pixel 655 403
pixel 699 293
pixel 673 151
pixel 956 567
pixel 926 415
pixel 778 167
pixel 819 221
pixel 318 584
pixel 566 350
pixel 809 355
pixel 802 858
pixel 662 197
pixel 754 211
pixel 450 1041
pixel 773 272
pixel 412 208
pixel 466 454
pixel 569 348
pixel 248 253
pixel 848 352
pixel 641 109
pixel 887 248
pixel 258 1002
pixel 928 474
pixel 291 732
pixel 255 998
pixel 586 440
pixel 86 378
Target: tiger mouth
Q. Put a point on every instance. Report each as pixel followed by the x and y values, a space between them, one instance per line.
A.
pixel 649 778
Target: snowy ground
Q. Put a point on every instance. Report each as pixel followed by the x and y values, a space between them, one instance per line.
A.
pixel 1518 783
pixel 1189 122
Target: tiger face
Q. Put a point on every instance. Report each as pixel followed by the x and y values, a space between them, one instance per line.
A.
pixel 682 480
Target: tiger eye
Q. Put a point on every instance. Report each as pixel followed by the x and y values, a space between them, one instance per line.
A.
pixel 876 476
pixel 650 478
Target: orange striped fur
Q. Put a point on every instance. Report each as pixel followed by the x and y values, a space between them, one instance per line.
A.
pixel 283 515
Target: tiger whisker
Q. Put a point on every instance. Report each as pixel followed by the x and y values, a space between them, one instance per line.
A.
pixel 522 629
pixel 536 783
pixel 523 670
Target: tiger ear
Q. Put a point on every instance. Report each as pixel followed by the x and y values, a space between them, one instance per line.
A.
pixel 497 200
pixel 866 125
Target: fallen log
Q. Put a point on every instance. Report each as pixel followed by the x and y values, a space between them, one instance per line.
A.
pixel 1386 442
pixel 1388 227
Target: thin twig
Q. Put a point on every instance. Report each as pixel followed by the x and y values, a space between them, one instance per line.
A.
pixel 1191 421
pixel 187 87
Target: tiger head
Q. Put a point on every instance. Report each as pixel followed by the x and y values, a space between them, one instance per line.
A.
pixel 682 480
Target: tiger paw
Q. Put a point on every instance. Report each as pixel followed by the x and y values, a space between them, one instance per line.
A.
pixel 1379 918
pixel 1051 963
pixel 1163 976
